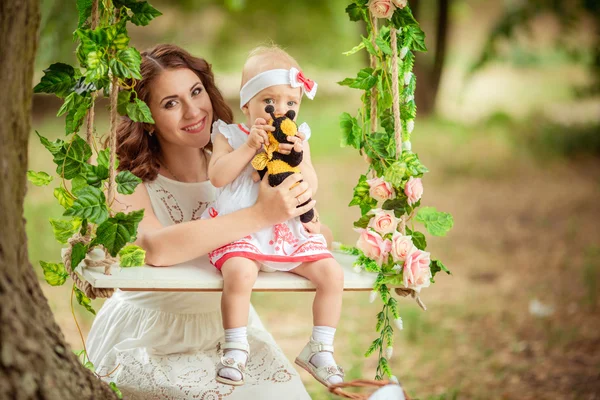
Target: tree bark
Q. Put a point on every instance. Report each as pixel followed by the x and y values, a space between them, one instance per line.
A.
pixel 35 361
pixel 429 76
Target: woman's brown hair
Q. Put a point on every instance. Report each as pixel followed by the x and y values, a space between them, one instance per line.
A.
pixel 139 152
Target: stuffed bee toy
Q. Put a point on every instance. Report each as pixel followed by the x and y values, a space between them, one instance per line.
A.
pixel 280 166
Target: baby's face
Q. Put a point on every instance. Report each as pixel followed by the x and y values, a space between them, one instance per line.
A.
pixel 282 97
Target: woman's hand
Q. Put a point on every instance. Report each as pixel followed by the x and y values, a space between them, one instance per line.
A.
pixel 297 142
pixel 258 134
pixel 280 203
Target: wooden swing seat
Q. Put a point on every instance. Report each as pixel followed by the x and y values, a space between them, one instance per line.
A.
pixel 200 276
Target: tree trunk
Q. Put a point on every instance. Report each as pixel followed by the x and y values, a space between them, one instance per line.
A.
pixel 35 361
pixel 429 75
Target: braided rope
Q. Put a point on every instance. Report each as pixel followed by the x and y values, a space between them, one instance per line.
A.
pixel 90 291
pixel 396 92
pixel 112 140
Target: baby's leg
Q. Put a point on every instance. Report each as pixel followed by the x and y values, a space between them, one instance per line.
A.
pixel 327 275
pixel 239 275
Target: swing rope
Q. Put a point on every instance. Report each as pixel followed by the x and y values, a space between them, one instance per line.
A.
pixel 106 262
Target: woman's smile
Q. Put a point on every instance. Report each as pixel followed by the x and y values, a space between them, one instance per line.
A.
pixel 196 127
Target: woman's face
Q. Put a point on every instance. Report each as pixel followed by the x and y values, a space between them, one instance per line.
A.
pixel 181 108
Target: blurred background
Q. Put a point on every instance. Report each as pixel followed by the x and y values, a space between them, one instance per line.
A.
pixel 508 125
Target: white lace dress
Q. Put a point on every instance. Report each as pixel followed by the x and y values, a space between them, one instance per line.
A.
pixel 164 343
pixel 281 247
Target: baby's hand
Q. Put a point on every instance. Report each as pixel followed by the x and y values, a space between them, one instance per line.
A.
pixel 297 142
pixel 258 134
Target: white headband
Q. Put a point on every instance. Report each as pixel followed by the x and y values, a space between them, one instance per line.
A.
pixel 273 77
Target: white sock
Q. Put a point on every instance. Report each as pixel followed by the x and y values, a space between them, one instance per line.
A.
pixel 325 335
pixel 238 335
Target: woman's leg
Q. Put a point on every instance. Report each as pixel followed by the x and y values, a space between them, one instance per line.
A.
pixel 239 275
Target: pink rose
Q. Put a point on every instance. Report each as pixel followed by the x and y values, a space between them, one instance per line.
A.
pixel 382 8
pixel 417 274
pixel 400 3
pixel 384 221
pixel 413 190
pixel 401 246
pixel 380 189
pixel 373 245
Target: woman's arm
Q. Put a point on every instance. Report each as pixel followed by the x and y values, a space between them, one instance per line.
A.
pixel 227 164
pixel 183 242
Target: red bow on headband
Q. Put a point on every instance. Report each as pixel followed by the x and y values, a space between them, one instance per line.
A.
pixel 308 83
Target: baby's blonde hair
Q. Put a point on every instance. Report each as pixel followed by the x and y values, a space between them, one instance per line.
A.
pixel 264 58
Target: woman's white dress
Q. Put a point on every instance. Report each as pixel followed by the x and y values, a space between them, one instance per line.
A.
pixel 280 247
pixel 163 344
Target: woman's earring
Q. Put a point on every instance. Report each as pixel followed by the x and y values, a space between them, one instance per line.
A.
pixel 150 133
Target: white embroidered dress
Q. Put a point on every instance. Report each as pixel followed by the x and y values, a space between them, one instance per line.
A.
pixel 281 247
pixel 164 343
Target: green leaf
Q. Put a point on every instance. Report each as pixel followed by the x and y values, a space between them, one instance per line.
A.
pixel 355 49
pixel 361 196
pixel 369 46
pixel 393 304
pixel 75 117
pixel 126 64
pixel 396 173
pixel 116 232
pixel 85 11
pixel 417 37
pixel 71 159
pixel 77 183
pixel 78 254
pixel 398 205
pixel 355 12
pixel 63 197
pixel 403 17
pixel 380 321
pixel 63 230
pixel 351 131
pixel 123 100
pixel 39 178
pixel 132 256
pixel 127 182
pixel 437 223
pixel 138 111
pixel 365 79
pixel 85 302
pixel 418 239
pixel 437 266
pixel 143 13
pixel 115 389
pixel 374 346
pixel 94 174
pixel 380 145
pixel 363 222
pixel 53 147
pixel 90 204
pixel 413 164
pixel 55 273
pixel 58 78
pixel 383 40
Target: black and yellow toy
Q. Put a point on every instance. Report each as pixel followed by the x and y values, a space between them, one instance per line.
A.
pixel 280 166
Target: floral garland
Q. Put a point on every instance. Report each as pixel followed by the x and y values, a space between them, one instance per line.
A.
pixel 389 195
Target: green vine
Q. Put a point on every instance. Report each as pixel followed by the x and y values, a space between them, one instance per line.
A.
pixel 389 194
pixel 107 65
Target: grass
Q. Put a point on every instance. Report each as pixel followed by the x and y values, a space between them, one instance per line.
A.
pixel 517 236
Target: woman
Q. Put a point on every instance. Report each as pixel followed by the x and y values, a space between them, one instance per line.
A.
pixel 160 344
